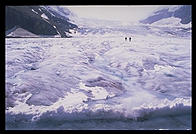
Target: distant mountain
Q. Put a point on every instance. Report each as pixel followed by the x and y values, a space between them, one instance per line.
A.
pixel 183 12
pixel 39 20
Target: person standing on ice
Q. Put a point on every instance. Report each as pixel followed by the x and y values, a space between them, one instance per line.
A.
pixel 129 39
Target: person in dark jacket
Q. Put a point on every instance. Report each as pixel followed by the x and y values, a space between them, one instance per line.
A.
pixel 129 39
pixel 125 38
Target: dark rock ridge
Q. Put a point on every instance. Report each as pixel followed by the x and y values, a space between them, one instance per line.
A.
pixel 184 13
pixel 30 18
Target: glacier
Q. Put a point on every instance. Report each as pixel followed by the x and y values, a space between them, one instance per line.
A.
pixel 97 80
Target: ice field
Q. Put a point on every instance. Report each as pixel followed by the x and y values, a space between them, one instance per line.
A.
pixel 97 80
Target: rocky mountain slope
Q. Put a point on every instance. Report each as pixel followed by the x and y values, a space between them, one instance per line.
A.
pixel 39 20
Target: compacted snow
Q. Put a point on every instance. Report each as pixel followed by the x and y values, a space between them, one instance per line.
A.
pixel 97 80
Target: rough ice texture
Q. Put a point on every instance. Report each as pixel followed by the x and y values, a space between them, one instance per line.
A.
pixel 97 75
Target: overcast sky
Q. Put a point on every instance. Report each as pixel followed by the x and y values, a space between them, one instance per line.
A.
pixel 120 13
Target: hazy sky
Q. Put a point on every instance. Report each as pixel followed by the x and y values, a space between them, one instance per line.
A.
pixel 122 13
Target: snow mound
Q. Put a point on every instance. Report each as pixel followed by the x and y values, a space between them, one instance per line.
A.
pixel 170 22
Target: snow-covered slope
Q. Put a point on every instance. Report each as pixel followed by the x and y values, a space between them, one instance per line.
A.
pixel 183 12
pixel 59 11
pixel 171 22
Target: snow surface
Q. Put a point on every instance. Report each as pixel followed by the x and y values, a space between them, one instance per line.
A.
pixel 97 80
